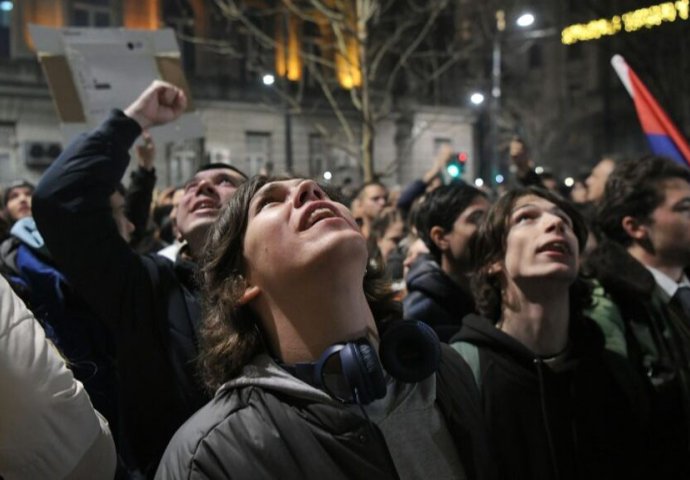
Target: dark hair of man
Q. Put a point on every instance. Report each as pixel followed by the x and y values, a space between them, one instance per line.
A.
pixel 361 190
pixel 441 208
pixel 490 247
pixel 219 165
pixel 635 189
pixel 231 335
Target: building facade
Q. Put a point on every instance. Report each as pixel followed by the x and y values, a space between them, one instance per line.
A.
pixel 248 124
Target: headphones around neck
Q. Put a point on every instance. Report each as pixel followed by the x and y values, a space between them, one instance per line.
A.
pixel 409 350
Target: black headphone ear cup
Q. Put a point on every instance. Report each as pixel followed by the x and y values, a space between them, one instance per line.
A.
pixel 362 371
pixel 410 350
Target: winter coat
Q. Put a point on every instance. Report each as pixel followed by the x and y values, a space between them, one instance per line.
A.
pixel 48 427
pixel 582 420
pixel 639 320
pixel 69 323
pixel 149 302
pixel 265 425
pixel 434 298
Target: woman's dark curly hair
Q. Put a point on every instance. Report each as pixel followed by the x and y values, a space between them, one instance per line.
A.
pixel 489 247
pixel 231 334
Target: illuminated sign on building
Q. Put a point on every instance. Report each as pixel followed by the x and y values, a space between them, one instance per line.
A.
pixel 648 17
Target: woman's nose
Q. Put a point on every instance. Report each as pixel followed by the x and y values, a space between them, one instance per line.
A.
pixel 308 190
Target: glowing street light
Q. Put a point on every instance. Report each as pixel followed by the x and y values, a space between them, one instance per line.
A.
pixel 478 182
pixel 327 175
pixel 477 98
pixel 268 79
pixel 6 6
pixel 525 20
pixel 569 182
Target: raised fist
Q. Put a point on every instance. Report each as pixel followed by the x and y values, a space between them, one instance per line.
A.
pixel 159 104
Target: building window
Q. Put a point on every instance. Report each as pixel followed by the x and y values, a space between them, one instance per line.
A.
pixel 92 13
pixel 7 145
pixel 181 161
pixel 258 148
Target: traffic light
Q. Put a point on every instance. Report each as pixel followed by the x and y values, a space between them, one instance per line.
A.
pixel 455 167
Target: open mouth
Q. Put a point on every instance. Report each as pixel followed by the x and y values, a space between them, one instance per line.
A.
pixel 205 205
pixel 556 246
pixel 316 213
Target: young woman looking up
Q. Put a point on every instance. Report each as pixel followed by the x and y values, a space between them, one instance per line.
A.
pixel 291 347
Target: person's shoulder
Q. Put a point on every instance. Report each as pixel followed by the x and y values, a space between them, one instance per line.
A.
pixel 215 438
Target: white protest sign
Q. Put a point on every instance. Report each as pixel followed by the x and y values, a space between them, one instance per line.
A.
pixel 93 70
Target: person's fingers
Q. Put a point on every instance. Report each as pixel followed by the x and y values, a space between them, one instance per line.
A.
pixel 180 102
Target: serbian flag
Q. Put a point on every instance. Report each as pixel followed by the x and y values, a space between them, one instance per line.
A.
pixel 664 138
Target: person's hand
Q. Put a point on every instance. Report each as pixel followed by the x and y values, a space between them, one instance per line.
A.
pixel 440 162
pixel 159 104
pixel 146 152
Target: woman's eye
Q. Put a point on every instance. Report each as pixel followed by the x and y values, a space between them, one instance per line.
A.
pixel 523 217
pixel 266 202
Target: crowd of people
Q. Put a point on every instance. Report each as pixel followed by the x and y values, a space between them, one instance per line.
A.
pixel 266 327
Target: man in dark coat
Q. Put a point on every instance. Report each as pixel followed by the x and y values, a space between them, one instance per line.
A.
pixel 642 303
pixel 438 287
pixel 150 303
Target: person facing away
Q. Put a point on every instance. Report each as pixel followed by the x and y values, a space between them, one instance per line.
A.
pixel 288 297
pixel 642 292
pixel 48 427
pixel 149 302
pixel 557 404
pixel 439 288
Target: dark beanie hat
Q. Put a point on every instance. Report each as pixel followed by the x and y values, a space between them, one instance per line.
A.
pixel 15 184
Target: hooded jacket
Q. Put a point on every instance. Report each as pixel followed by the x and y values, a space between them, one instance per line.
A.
pixel 582 419
pixel 266 424
pixel 434 298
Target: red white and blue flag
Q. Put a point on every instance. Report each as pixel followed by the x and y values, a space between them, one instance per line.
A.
pixel 663 136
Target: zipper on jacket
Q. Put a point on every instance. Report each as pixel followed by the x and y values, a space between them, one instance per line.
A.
pixel 542 399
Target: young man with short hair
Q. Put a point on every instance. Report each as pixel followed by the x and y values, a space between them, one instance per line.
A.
pixel 371 199
pixel 150 302
pixel 438 288
pixel 640 304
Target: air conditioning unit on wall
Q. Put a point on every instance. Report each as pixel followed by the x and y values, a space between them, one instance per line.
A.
pixel 40 154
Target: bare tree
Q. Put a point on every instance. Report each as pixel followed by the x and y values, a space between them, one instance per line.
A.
pixel 362 56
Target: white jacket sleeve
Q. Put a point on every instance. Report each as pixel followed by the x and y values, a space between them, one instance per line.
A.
pixel 48 427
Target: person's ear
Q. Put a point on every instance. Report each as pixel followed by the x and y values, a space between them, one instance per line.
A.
pixel 250 293
pixel 634 228
pixel 438 236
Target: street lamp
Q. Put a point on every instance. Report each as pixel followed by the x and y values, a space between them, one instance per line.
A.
pixel 477 98
pixel 525 20
pixel 268 79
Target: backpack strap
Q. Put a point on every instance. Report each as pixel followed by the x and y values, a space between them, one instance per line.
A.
pixel 470 353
